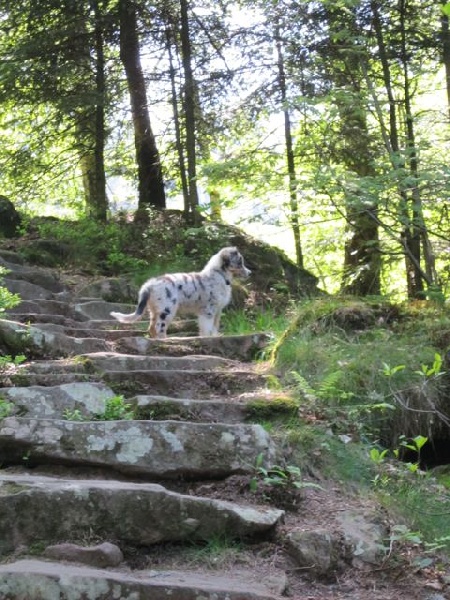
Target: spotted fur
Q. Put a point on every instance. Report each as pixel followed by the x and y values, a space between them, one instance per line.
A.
pixel 204 294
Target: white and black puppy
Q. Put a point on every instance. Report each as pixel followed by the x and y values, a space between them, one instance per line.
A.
pixel 204 294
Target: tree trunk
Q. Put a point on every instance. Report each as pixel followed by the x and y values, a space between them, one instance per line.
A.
pixel 191 209
pixel 151 185
pixel 445 35
pixel 410 206
pixel 100 208
pixel 362 263
pixel 89 119
pixel 290 159
pixel 171 42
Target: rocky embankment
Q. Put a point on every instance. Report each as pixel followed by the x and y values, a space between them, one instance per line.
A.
pixel 119 452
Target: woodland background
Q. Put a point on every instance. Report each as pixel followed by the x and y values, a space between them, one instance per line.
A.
pixel 328 119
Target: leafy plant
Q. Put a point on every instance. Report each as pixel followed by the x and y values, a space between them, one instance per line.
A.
pixel 73 415
pixel 286 477
pixel 7 361
pixel 7 298
pixel 378 456
pixel 5 408
pixel 116 409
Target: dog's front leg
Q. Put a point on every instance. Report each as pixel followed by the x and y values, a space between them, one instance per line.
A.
pixel 206 326
pixel 217 322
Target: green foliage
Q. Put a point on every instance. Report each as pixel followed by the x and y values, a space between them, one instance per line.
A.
pixel 249 320
pixel 116 409
pixel 420 501
pixel 7 299
pixel 110 248
pixel 5 408
pixel 414 445
pixel 74 415
pixel 446 9
pixel 280 477
pixel 7 361
pixel 348 360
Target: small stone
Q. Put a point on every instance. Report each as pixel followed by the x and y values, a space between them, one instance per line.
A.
pixel 103 555
pixel 319 552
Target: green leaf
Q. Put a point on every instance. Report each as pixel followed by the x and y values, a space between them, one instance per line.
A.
pixel 420 441
pixel 446 9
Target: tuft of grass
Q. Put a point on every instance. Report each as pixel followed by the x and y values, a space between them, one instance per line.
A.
pixel 217 552
pixel 242 321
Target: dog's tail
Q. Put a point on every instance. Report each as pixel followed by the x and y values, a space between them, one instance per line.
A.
pixel 143 299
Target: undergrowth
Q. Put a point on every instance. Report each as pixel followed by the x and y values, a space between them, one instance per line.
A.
pixel 368 377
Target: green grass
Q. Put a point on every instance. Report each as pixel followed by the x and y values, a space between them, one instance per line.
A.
pixel 236 322
pixel 348 367
pixel 419 500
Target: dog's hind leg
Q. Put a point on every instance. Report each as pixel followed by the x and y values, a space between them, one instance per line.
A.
pixel 152 325
pixel 161 322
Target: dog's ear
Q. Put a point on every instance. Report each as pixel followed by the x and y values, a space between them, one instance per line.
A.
pixel 226 258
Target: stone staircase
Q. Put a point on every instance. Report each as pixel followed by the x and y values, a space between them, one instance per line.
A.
pixel 87 504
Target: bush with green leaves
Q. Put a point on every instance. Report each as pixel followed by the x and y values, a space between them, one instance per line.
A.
pixel 7 298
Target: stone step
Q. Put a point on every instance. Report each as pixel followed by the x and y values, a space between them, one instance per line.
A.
pixel 97 310
pixel 234 409
pixel 113 361
pixel 182 409
pixel 100 362
pixel 56 581
pixel 166 382
pixel 39 277
pixel 50 510
pixel 44 308
pixel 185 383
pixel 53 342
pixel 53 322
pixel 88 399
pixel 244 347
pixel 28 290
pixel 33 341
pixel 151 449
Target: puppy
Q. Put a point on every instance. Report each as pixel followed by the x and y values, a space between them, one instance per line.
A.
pixel 204 294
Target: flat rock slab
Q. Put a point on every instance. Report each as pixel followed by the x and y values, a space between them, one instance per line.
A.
pixel 52 402
pixel 39 580
pixel 48 511
pixel 100 309
pixel 184 383
pixel 28 339
pixel 27 290
pixel 43 278
pixel 239 347
pixel 113 361
pixel 155 449
pixel 251 406
pixel 164 407
pixel 45 307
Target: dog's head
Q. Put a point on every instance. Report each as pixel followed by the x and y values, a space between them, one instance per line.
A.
pixel 233 262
